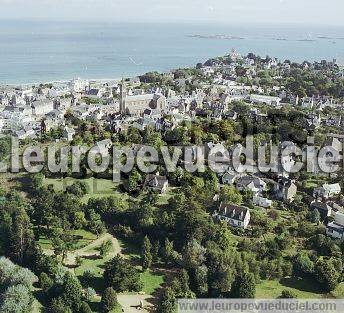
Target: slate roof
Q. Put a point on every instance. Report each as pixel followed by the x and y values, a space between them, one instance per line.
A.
pixel 233 211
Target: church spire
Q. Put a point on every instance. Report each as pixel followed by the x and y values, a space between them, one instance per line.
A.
pixel 123 94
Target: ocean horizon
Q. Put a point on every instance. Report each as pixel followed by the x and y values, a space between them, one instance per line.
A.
pixel 44 51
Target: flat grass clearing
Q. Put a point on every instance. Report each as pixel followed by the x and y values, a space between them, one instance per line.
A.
pixel 163 198
pixel 98 187
pixel 45 243
pixel 151 280
pixel 96 266
pixel 313 183
pixel 302 288
pixel 82 237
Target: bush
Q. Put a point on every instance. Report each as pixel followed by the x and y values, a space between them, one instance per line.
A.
pixel 109 300
pixel 79 188
pixel 287 294
pixel 45 282
pixel 244 286
pixel 122 276
pixel 85 308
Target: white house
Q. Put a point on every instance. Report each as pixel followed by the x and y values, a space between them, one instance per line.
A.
pixel 23 134
pixel 156 183
pixel 327 191
pixel 263 202
pixel 2 123
pixel 335 229
pixel 238 216
pixel 42 107
pixel 254 184
pixel 79 85
pixel 229 177
pixel 262 99
pixel 102 147
pixel 68 133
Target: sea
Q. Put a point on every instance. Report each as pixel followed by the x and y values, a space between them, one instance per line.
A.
pixel 45 51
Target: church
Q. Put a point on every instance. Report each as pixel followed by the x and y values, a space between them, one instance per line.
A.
pixel 135 105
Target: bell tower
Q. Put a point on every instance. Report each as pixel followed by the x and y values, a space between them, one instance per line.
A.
pixel 123 94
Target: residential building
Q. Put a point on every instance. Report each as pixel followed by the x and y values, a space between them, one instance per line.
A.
pixel 254 184
pixel 156 183
pixel 335 229
pixel 234 215
pixel 327 191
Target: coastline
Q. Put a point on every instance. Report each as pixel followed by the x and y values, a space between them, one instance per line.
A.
pixel 64 81
pixel 32 53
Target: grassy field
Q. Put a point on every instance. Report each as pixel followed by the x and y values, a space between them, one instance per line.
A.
pixel 82 239
pixel 152 280
pixel 303 289
pixel 98 187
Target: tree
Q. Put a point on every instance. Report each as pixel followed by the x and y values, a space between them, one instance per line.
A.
pixel 201 280
pixel 146 253
pixel 303 265
pixel 45 282
pixel 134 180
pixel 15 287
pixel 170 255
pixel 315 216
pixel 193 254
pixel 57 305
pixel 16 299
pixel 168 301
pixel 122 276
pixel 72 292
pixel 89 293
pixel 326 274
pixel 79 188
pixel 244 286
pixel 85 308
pixel 95 224
pixel 62 241
pixel 88 277
pixel 36 181
pixel 156 250
pixel 229 194
pixel 17 238
pixel 109 300
pixel 21 235
pixel 105 248
pixel 287 294
pixel 180 286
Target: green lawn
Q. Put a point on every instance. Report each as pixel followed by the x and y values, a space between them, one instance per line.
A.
pixel 303 289
pixel 83 238
pixel 163 198
pixel 313 182
pixel 98 187
pixel 45 243
pixel 151 280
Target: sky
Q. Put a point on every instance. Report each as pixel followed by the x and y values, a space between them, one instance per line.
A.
pixel 315 12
